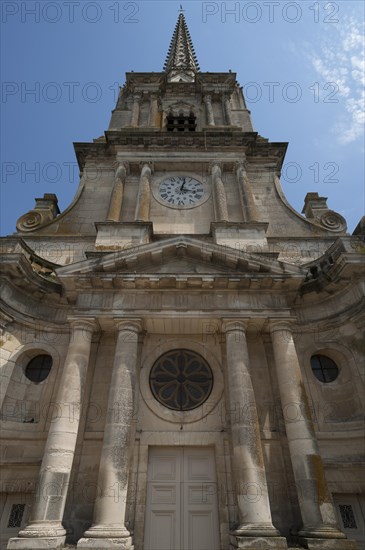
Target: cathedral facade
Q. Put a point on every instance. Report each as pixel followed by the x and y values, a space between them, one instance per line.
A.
pixel 186 375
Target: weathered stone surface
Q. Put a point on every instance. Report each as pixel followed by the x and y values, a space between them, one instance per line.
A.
pixel 106 543
pixel 259 543
pixel 39 543
pixel 283 440
pixel 328 544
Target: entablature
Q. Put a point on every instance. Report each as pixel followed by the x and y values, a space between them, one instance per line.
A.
pixel 342 263
pixel 221 140
pixel 22 266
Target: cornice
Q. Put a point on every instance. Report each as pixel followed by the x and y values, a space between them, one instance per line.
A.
pixel 223 138
pixel 221 269
pixel 343 262
pixel 25 273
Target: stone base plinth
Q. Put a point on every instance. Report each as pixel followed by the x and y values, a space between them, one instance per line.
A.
pixel 41 543
pixel 247 237
pixel 328 544
pixel 111 544
pixel 114 236
pixel 258 543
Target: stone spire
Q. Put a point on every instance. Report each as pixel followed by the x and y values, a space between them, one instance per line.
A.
pixel 181 62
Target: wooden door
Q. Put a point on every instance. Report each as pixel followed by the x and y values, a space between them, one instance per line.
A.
pixel 182 503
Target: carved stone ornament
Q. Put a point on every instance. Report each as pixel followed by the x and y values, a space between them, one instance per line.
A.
pixel 30 221
pixel 45 210
pixel 333 221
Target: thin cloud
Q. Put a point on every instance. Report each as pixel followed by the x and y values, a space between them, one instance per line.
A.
pixel 341 61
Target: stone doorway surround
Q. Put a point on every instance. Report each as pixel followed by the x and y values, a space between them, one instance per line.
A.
pixel 216 443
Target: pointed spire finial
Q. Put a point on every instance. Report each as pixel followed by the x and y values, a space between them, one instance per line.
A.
pixel 181 54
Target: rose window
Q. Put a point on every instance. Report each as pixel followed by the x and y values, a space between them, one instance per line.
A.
pixel 181 380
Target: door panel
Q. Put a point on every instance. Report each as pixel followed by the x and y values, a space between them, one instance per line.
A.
pixel 163 535
pixel 163 510
pixel 200 531
pixel 181 507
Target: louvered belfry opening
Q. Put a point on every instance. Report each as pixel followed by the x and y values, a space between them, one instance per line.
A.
pixel 181 122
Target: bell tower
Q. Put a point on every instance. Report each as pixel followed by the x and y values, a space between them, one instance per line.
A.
pixel 183 142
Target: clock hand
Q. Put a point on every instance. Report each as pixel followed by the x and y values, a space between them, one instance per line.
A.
pixel 182 187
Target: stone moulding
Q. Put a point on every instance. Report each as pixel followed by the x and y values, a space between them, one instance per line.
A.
pixel 220 137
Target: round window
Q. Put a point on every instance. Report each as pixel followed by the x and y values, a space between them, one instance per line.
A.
pixel 324 368
pixel 38 368
pixel 181 380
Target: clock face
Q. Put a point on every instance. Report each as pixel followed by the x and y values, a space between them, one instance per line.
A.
pixel 181 191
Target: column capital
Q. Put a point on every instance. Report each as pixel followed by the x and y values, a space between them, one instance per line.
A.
pixel 137 97
pixel 121 165
pixel 207 98
pixel 146 165
pixel 216 164
pixel 242 164
pixel 81 323
pixel 235 325
pixel 281 325
pixel 129 325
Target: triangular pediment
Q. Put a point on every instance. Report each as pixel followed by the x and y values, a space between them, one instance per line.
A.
pixel 180 256
pixel 182 266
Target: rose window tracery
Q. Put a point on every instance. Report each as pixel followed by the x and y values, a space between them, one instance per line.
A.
pixel 181 380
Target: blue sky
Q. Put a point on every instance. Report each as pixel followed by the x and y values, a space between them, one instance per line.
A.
pixel 300 63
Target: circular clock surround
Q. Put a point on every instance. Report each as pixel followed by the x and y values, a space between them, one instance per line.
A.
pixel 181 191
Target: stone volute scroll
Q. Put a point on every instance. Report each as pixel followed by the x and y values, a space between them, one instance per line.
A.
pixel 246 195
pixel 219 193
pixel 316 506
pixel 209 110
pixel 45 210
pixel 316 210
pixel 116 199
pixel 144 193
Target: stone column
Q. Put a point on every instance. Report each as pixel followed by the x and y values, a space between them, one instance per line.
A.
pixel 45 527
pixel 220 199
pixel 135 110
pixel 248 463
pixel 247 200
pixel 227 110
pixel 153 110
pixel 317 510
pixel 144 194
pixel 108 528
pixel 116 200
pixel 209 110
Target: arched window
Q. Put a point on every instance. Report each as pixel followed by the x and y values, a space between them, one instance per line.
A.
pixel 324 368
pixel 38 368
pixel 181 380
